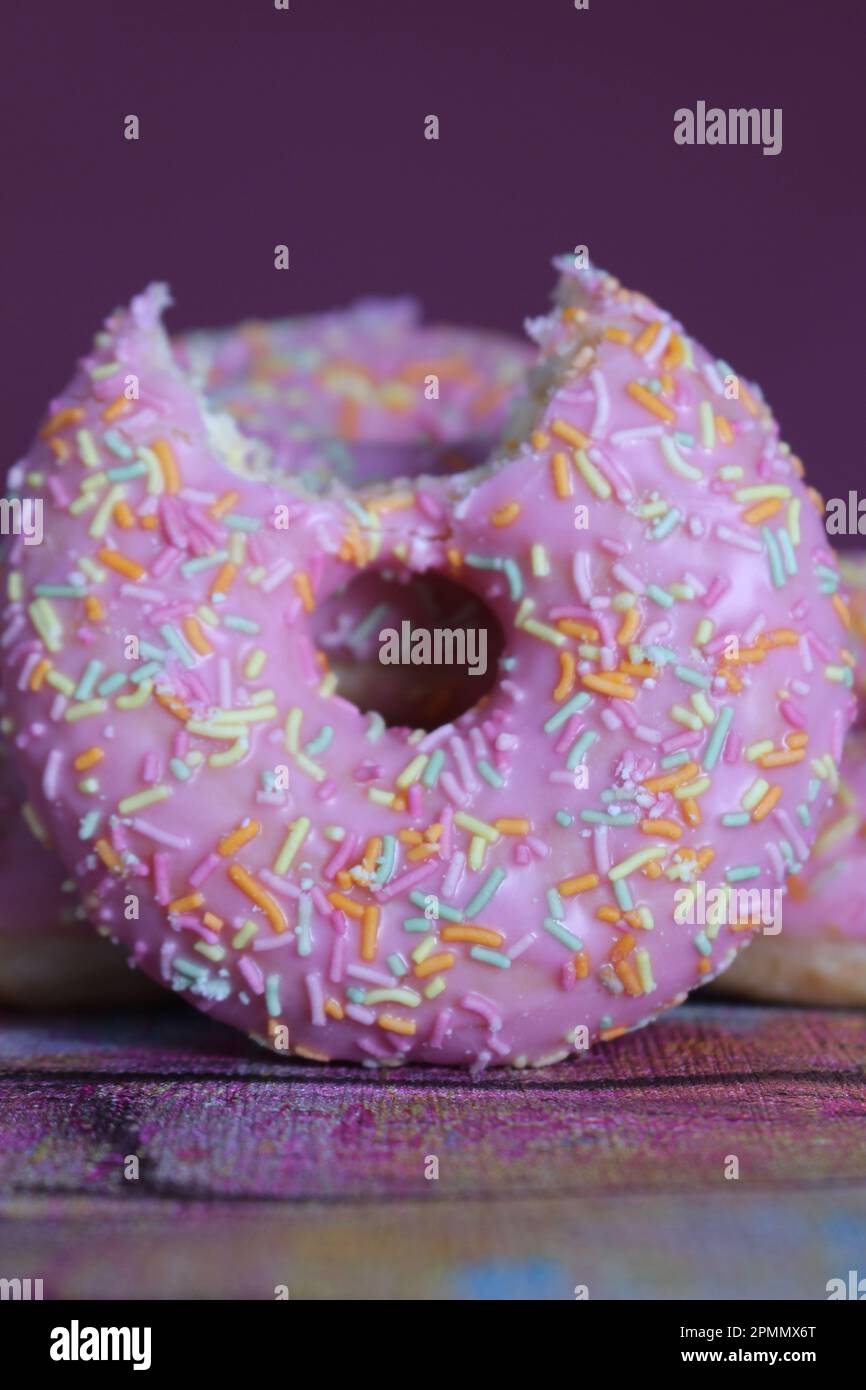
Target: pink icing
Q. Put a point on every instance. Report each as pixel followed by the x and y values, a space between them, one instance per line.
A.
pixel 637 427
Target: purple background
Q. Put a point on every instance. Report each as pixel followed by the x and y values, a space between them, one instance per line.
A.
pixel 260 127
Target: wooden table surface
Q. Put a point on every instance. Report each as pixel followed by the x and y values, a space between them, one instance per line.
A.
pixel 608 1171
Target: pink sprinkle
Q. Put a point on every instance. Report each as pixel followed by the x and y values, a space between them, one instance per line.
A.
pixel 601 849
pixel 326 790
pixel 733 747
pixel 793 715
pixel 343 853
pixel 360 1014
pixel 406 881
pixel 320 902
pixel 317 1000
pixel 151 769
pixel 161 837
pixel 477 1004
pixel 452 789
pixel 414 800
pixel 203 869
pixel 719 586
pixel 338 959
pixel 441 1027
pixel 371 976
pixel 428 505
pixel 251 972
pixel 446 820
pixel 522 854
pixel 161 888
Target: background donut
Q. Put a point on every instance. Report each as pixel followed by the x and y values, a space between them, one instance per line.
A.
pixel 329 395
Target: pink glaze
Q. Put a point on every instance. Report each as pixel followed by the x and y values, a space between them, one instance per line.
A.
pixel 361 955
pixel 828 899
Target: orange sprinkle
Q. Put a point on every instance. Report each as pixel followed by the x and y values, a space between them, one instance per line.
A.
pixel 238 837
pixel 93 608
pixel 372 851
pixel 628 627
pixel 581 965
pixel 766 803
pixel 650 402
pixel 110 858
pixel 61 420
pixel 644 669
pixel 454 557
pixel 570 886
pixel 565 684
pixel 704 857
pixel 119 406
pixel 254 890
pixel 39 672
pixel 663 826
pixel 704 966
pixel 674 354
pixel 651 870
pixel 691 810
pixel 512 825
pixel 622 947
pixel 224 579
pixel 608 684
pixel 60 449
pixel 396 1025
pixel 618 335
pixel 747 398
pixel 347 905
pixel 149 522
pixel 782 758
pixel 168 464
pixel 89 758
pixel 634 920
pixel 644 341
pixel 747 655
pixel 842 609
pixel 224 504
pixel 780 637
pixel 301 581
pixel 432 964
pixel 563 430
pixel 797 740
pixel 608 1034
pixel 669 780
pixel 197 639
pixel 572 628
pixel 422 852
pixel 724 431
pixel 506 514
pixel 333 1009
pixel 370 932
pixel 174 705
pixel 123 515
pixel 186 904
pixel 563 481
pixel 629 977
pixel 410 837
pixel 116 560
pixel 539 440
pixel 480 936
pixel 213 922
pixel 608 914
pixel 762 510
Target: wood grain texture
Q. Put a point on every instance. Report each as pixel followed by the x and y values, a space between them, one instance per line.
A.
pixel 606 1171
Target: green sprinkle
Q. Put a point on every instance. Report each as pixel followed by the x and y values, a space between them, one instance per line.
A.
pixel 564 818
pixel 489 957
pixel 743 871
pixel 489 773
pixel 580 747
pixel 446 912
pixel 416 924
pixel 112 683
pixel 564 713
pixel 562 934
pixel 718 736
pixel 92 672
pixel 318 744
pixel 692 677
pixel 776 568
pixel 430 775
pixel 659 596
pixel 89 824
pixel 622 893
pixel 397 965
pixel 484 894
pixel 238 624
pixel 180 769
pixel 736 818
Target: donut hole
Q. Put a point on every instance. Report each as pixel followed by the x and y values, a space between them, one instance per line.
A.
pixel 419 648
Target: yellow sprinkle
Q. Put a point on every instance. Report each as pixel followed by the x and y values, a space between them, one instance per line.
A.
pixel 228 756
pixel 543 631
pixel 762 492
pixel 46 623
pixel 412 771
pixel 291 845
pixel 141 697
pixel 591 476
pixel 477 851
pixel 85 710
pixel 476 827
pixel 635 861
pixel 692 789
pixel 754 794
pixel 767 802
pixel 254 664
pixel 130 804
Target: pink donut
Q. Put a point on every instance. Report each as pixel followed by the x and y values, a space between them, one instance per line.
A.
pixel 670 703
pixel 329 394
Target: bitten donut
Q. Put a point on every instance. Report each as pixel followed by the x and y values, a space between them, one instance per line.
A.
pixel 333 395
pixel 669 709
pixel 819 956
